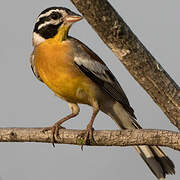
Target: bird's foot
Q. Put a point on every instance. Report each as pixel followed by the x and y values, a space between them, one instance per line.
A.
pixel 54 132
pixel 88 137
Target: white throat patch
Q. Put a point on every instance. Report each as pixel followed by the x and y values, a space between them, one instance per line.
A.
pixel 37 39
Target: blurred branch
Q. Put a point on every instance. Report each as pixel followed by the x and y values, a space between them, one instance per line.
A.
pixel 101 137
pixel 136 58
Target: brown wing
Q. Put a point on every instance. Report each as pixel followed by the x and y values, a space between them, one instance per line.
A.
pixel 93 67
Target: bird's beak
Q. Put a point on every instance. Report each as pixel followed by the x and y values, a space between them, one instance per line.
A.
pixel 71 18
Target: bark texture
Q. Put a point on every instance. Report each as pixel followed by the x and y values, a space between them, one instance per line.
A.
pixel 136 58
pixel 101 137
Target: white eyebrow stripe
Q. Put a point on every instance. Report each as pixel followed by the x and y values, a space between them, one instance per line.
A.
pixel 47 14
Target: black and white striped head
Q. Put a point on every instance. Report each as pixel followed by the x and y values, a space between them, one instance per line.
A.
pixel 50 21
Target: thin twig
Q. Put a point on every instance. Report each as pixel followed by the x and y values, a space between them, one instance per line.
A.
pixel 101 137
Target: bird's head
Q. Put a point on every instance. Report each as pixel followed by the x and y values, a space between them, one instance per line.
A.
pixel 54 22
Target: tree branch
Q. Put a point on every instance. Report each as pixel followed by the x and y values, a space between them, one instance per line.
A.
pixel 101 137
pixel 136 58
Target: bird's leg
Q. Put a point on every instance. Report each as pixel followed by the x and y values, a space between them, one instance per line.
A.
pixel 54 129
pixel 89 128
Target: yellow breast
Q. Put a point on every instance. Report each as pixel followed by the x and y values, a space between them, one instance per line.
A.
pixel 54 63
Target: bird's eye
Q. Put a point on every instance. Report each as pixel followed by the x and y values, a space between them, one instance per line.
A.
pixel 55 16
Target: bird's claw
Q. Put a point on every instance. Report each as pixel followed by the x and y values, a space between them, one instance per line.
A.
pixel 54 132
pixel 88 137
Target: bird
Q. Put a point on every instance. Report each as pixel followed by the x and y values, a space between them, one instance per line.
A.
pixel 79 76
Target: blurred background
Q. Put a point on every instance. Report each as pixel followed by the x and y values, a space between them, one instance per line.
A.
pixel 26 102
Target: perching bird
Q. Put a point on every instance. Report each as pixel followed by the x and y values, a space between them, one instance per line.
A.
pixel 77 75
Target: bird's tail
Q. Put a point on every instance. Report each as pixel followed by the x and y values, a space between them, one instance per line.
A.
pixel 154 157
